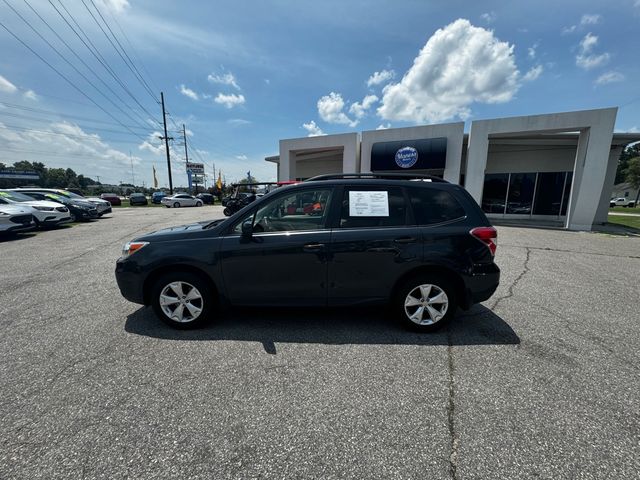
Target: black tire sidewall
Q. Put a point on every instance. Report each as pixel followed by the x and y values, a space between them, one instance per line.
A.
pixel 411 283
pixel 205 289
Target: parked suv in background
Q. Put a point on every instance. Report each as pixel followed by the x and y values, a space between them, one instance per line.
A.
pixel 424 246
pixel 16 218
pixel 79 210
pixel 45 213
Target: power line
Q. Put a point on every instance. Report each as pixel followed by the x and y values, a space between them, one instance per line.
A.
pixel 139 75
pixel 85 63
pixel 51 112
pixel 67 79
pixel 68 62
pixel 114 46
pixel 93 49
pixel 66 135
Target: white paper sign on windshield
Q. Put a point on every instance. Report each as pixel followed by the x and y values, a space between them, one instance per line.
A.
pixel 368 204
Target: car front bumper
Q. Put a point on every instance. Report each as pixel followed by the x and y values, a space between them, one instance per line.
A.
pixel 130 281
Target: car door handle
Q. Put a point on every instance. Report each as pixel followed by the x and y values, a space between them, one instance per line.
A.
pixel 313 247
pixel 404 240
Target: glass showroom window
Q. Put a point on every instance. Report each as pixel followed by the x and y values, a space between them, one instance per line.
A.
pixel 495 192
pixel 521 189
pixel 543 193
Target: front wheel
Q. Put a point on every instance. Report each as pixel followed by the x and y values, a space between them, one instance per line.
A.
pixel 183 300
pixel 198 204
pixel 176 205
pixel 425 303
pixel 227 212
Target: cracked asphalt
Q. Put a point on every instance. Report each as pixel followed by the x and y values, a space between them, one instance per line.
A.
pixel 541 381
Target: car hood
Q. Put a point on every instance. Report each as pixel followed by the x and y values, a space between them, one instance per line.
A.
pixel 96 200
pixel 173 233
pixel 16 210
pixel 40 203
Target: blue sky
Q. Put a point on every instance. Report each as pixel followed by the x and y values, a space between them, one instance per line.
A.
pixel 243 74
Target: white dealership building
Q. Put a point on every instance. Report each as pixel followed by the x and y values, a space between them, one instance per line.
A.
pixel 555 168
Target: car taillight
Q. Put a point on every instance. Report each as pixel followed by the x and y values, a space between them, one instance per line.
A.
pixel 488 236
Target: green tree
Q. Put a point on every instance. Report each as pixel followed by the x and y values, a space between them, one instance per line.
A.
pixel 627 154
pixel 632 175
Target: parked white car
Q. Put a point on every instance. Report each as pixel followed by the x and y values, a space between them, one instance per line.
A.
pixel 622 202
pixel 16 219
pixel 181 200
pixel 45 213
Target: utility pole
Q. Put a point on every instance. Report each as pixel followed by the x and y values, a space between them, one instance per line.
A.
pixel 133 179
pixel 186 155
pixel 166 139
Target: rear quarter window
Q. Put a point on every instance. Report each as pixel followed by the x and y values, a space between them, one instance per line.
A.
pixel 432 206
pixel 395 214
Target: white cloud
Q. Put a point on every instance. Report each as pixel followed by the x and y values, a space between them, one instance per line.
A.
pixel 313 129
pixel 244 158
pixel 238 121
pixel 532 51
pixel 590 19
pixel 609 77
pixel 586 59
pixel 6 86
pixel 229 101
pixel 382 76
pixel 30 95
pixel 117 6
pixel 330 110
pixel 533 73
pixel 459 65
pixel 359 110
pixel 224 79
pixel 187 92
pixel 383 126
pixel 568 30
pixel 489 17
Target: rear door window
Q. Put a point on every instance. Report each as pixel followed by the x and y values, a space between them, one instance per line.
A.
pixel 432 206
pixel 372 207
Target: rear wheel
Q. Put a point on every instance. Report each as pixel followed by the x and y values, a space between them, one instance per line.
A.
pixel 227 212
pixel 198 204
pixel 183 300
pixel 425 303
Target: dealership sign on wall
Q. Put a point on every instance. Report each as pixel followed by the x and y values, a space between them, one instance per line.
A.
pixel 425 154
pixel 19 174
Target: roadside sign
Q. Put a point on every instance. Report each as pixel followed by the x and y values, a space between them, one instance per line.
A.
pixel 196 168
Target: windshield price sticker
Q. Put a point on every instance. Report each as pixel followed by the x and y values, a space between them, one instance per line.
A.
pixel 368 204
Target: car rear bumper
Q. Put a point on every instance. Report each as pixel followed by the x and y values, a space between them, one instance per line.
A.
pixel 481 284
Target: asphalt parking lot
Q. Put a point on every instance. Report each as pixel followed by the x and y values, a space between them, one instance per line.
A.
pixel 541 381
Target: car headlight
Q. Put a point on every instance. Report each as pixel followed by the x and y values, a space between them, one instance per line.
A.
pixel 85 207
pixel 44 209
pixel 132 247
pixel 3 214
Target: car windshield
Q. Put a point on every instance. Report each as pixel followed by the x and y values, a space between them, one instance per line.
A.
pixel 70 194
pixel 15 196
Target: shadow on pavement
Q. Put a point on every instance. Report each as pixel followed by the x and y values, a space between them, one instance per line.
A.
pixel 346 326
pixel 10 237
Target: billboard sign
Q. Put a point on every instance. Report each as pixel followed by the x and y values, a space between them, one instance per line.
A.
pixel 424 154
pixel 19 174
pixel 196 168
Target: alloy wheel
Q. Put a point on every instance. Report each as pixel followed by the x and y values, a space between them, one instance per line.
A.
pixel 181 302
pixel 426 304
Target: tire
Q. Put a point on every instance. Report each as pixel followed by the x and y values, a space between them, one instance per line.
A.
pixel 227 212
pixel 198 204
pixel 169 286
pixel 434 314
pixel 176 205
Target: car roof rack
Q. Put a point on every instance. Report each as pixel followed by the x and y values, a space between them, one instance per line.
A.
pixel 391 176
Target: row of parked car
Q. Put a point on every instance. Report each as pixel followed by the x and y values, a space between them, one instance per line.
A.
pixel 28 208
pixel 177 200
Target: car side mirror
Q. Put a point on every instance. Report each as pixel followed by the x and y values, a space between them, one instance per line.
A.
pixel 247 228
